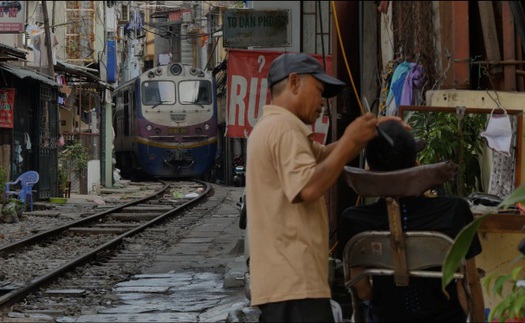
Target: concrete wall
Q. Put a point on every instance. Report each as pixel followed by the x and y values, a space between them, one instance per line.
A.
pixel 93 177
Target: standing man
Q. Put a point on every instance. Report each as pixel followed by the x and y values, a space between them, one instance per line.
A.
pixel 287 176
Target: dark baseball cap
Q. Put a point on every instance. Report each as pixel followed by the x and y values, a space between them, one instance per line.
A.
pixel 302 63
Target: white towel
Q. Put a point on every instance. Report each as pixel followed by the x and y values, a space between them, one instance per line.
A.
pixel 27 141
pixel 499 133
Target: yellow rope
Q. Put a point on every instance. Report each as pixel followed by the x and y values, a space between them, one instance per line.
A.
pixel 353 85
pixel 333 247
pixel 344 56
pixel 334 10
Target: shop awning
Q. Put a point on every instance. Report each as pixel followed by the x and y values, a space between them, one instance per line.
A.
pixel 82 71
pixel 8 53
pixel 24 72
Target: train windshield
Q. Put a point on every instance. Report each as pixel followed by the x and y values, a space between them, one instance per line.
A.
pixel 158 92
pixel 195 92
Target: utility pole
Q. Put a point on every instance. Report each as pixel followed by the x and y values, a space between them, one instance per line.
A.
pixel 48 40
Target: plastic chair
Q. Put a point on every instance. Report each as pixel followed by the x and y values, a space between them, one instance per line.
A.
pixel 26 182
pixel 403 254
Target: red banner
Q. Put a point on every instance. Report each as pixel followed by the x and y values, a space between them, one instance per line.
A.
pixel 7 104
pixel 248 92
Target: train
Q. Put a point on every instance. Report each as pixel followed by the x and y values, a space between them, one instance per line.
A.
pixel 165 123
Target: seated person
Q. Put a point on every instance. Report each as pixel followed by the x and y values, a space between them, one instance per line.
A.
pixel 422 300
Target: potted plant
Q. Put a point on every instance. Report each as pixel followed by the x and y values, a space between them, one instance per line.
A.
pixel 12 209
pixel 62 180
pixel 512 306
pixel 73 159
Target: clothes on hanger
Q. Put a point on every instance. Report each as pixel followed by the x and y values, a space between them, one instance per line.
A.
pixel 27 141
pixel 499 133
pixel 396 87
pixel 386 78
pixel 414 81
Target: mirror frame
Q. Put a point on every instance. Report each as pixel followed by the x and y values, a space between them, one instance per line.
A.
pixel 512 112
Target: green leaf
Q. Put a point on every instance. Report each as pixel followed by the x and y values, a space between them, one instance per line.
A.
pixel 515 273
pixel 487 282
pixel 517 308
pixel 459 250
pixel 498 285
pixel 518 196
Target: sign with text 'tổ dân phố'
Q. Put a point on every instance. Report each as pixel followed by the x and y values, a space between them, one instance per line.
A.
pixel 243 28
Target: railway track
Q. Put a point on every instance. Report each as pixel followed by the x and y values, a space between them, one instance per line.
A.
pixel 43 258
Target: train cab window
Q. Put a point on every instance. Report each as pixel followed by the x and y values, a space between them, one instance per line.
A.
pixel 155 93
pixel 195 92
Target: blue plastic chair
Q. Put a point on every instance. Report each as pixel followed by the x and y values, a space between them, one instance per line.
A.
pixel 26 182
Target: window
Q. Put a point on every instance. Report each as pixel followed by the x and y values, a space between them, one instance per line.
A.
pixel 195 92
pixel 158 92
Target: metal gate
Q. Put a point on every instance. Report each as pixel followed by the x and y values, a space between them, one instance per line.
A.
pixel 47 143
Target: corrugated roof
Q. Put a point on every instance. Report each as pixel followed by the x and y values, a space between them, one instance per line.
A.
pixel 86 72
pixel 22 73
pixel 12 51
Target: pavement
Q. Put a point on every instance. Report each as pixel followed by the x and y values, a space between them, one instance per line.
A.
pixel 199 279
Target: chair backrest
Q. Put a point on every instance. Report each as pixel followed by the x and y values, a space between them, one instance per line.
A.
pixel 393 185
pixel 372 249
pixel 394 252
pixel 29 178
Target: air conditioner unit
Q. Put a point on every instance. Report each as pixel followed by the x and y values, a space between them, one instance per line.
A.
pixel 124 17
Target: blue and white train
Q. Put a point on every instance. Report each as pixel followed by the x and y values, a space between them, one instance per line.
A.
pixel 165 122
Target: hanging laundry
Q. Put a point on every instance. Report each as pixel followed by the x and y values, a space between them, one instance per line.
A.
pixel 386 77
pixel 164 59
pixel 503 172
pixel 27 141
pixel 499 133
pixel 18 154
pixel 414 81
pixel 61 142
pixel 396 87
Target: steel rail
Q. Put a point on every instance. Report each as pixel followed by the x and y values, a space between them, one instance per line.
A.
pixel 53 232
pixel 13 296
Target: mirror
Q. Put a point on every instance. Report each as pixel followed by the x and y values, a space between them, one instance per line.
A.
pixel 481 168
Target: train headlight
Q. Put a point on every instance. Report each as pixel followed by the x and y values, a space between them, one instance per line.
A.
pixel 198 130
pixel 175 69
pixel 206 127
pixel 157 131
pixel 149 127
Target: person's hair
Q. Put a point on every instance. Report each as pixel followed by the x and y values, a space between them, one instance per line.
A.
pixel 279 87
pixel 382 156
